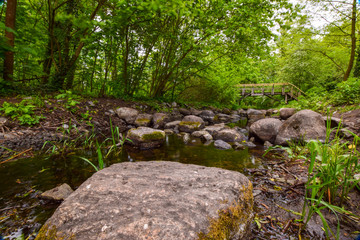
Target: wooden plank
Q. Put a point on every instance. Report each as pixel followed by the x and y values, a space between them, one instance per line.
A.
pixel 262 85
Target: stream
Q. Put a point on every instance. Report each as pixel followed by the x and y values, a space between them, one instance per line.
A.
pixel 22 213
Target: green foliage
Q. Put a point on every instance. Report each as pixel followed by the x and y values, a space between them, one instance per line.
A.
pixel 23 112
pixel 71 100
pixel 347 92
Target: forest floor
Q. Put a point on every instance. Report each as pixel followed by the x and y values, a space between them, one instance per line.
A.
pixel 279 186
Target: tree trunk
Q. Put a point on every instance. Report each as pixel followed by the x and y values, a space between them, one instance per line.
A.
pixel 47 64
pixel 353 41
pixel 9 55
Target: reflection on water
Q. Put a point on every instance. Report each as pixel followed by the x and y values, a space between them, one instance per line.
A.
pixel 21 212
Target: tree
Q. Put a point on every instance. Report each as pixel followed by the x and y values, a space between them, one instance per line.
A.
pixel 336 13
pixel 10 19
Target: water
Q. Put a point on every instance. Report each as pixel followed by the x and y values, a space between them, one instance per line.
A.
pixel 22 213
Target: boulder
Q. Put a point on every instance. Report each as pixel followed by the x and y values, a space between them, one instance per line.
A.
pixel 285 113
pixel 220 144
pixel 191 123
pixel 265 129
pixel 223 118
pixel 143 120
pixel 127 114
pixel 152 200
pixel 213 129
pixel 302 126
pixel 59 193
pixel 229 135
pixel 172 125
pixel 208 115
pixel 255 115
pixel 145 138
pixel 204 135
pixel 159 120
pixel 195 112
pixel 184 111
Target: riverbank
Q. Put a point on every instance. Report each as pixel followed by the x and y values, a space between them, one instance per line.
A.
pixel 279 182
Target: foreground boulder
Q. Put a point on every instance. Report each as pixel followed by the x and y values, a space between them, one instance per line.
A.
pixel 152 200
pixel 127 114
pixel 145 138
pixel 265 129
pixel 191 123
pixel 302 126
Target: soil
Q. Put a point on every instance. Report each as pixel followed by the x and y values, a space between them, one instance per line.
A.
pixel 279 187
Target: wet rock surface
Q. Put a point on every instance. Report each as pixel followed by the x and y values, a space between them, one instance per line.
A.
pixel 151 200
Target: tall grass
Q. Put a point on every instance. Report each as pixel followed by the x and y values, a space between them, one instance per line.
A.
pixel 332 166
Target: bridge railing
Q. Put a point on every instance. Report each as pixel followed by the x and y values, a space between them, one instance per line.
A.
pixel 270 89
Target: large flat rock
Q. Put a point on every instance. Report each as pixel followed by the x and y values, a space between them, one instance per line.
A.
pixel 151 200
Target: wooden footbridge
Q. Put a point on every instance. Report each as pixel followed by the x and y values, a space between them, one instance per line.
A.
pixel 288 90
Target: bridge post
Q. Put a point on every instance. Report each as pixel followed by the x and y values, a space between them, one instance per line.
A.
pixel 272 90
pixel 252 91
pixel 282 91
pixel 286 98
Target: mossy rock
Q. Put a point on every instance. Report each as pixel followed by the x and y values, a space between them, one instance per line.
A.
pixel 145 138
pixel 191 123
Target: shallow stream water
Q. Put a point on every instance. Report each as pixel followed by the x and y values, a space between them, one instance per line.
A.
pixel 22 213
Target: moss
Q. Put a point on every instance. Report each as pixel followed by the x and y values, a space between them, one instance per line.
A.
pixel 153 136
pixel 196 124
pixel 145 120
pixel 47 233
pixel 229 221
